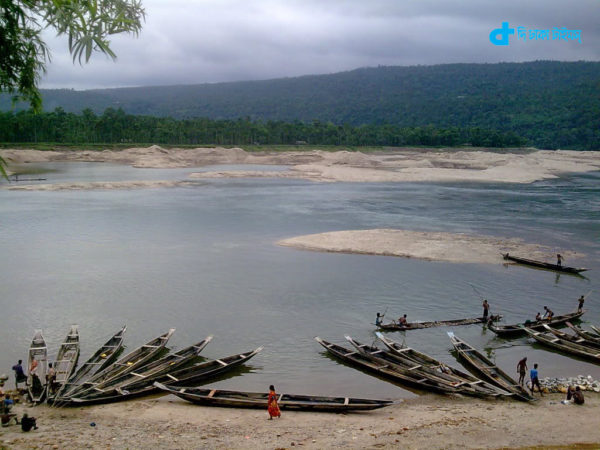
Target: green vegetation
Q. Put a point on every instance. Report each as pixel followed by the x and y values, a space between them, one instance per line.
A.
pixel 550 104
pixel 86 23
pixel 117 127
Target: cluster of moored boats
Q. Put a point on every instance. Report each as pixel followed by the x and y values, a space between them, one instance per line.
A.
pixel 412 368
pixel 106 377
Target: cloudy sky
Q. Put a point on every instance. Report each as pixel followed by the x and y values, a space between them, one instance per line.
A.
pixel 200 41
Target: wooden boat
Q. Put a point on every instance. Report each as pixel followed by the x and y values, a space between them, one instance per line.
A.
pixel 596 329
pixel 36 377
pixel 414 379
pixel 393 326
pixel 66 360
pixel 155 369
pixel 415 357
pixel 127 363
pixel 104 356
pixel 543 265
pixel 593 337
pixel 258 400
pixel 464 386
pixel 517 329
pixel 187 376
pixel 573 339
pixel 582 351
pixel 486 369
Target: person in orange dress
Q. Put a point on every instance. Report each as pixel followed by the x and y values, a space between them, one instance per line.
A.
pixel 272 406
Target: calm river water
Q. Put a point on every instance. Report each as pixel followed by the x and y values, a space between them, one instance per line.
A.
pixel 203 259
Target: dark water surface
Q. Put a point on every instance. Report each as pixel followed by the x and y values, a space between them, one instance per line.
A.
pixel 203 259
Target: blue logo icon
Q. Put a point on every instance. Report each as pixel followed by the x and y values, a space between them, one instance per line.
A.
pixel 499 36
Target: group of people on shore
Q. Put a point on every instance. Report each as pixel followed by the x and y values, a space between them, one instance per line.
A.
pixel 7 416
pixel 574 394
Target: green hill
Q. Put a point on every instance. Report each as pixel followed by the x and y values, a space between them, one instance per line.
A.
pixel 552 104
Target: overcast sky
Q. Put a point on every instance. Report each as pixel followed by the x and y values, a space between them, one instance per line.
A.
pixel 200 41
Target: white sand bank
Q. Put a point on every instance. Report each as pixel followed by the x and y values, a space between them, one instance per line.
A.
pixel 395 165
pixel 429 421
pixel 434 246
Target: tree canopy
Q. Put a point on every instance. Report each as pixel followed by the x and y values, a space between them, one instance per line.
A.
pixel 87 24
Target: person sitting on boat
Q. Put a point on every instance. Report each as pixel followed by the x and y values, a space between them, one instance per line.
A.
pixel 51 378
pixel 558 260
pixel 379 319
pixel 548 314
pixel 486 309
pixel 581 301
pixel 522 369
pixel 402 321
pixel 538 317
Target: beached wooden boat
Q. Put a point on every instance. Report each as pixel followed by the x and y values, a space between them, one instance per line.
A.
pixel 596 329
pixel 258 400
pixel 464 386
pixel 66 359
pixel 517 329
pixel 187 376
pixel 411 378
pixel 104 356
pixel 592 354
pixel 394 326
pixel 155 369
pixel 543 265
pixel 36 372
pixel 593 337
pixel 573 339
pixel 415 357
pixel 127 363
pixel 486 369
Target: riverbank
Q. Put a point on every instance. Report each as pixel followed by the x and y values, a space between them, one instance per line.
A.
pixel 394 165
pixel 432 246
pixel 429 421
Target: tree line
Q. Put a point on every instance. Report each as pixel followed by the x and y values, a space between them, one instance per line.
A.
pixel 114 126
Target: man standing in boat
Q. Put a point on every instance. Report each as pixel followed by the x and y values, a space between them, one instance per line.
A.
pixel 378 319
pixel 403 321
pixel 486 309
pixel 581 301
pixel 548 314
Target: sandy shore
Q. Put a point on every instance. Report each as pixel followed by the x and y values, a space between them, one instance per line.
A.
pixel 397 165
pixel 429 421
pixel 450 247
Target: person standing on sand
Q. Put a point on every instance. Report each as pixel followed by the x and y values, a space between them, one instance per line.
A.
pixel 522 369
pixel 486 309
pixel 272 405
pixel 19 374
pixel 535 381
pixel 558 260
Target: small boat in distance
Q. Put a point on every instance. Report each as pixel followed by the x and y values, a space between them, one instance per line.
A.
pixel 394 326
pixel 543 265
pixel 37 368
pixel 517 329
pixel 258 400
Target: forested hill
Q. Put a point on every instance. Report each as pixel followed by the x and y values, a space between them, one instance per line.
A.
pixel 552 104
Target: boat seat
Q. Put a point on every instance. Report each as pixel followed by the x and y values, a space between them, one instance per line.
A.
pixel 221 362
pixel 211 393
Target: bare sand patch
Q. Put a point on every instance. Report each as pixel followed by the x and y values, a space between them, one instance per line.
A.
pixel 97 185
pixel 433 246
pixel 394 165
pixel 428 421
